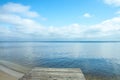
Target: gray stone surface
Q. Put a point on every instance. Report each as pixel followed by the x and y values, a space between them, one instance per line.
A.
pixel 54 74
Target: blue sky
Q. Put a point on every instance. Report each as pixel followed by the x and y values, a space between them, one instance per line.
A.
pixel 59 20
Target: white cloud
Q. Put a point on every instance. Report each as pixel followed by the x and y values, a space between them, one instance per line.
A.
pixel 19 21
pixel 18 9
pixel 70 31
pixel 87 15
pixel 113 2
pixel 108 27
pixel 26 27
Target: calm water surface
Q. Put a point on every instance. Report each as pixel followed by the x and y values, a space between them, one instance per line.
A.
pixel 90 57
pixel 33 50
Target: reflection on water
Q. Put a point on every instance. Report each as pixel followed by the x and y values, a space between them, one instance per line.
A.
pixel 94 58
pixel 31 50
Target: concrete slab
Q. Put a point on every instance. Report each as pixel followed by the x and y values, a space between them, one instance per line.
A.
pixel 54 74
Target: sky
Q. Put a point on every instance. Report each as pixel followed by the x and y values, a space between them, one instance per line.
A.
pixel 67 20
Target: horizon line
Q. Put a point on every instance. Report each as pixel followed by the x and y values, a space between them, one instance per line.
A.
pixel 67 41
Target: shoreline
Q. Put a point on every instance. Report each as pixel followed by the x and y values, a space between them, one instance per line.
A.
pixel 11 72
pixel 5 76
pixel 8 71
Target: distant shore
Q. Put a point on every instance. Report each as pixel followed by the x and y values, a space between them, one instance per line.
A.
pixel 64 41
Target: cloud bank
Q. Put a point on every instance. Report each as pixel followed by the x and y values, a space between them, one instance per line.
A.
pixel 113 2
pixel 18 21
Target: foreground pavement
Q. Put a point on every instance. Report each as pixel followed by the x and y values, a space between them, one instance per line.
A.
pixel 54 74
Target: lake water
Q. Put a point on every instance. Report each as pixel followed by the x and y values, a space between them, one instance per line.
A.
pixel 32 50
pixel 91 57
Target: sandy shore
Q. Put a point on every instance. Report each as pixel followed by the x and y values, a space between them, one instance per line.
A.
pixel 10 71
pixel 5 76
